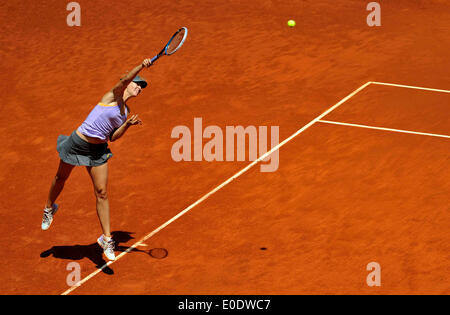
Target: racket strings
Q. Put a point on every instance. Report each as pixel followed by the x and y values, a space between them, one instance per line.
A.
pixel 176 42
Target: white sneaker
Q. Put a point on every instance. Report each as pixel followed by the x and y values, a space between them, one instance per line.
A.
pixel 108 247
pixel 47 218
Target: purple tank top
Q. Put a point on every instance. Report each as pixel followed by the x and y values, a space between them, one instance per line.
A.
pixel 102 120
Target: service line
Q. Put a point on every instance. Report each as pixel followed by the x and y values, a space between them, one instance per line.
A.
pixel 385 129
pixel 411 87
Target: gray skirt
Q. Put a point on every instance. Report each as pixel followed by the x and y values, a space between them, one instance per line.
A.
pixel 75 151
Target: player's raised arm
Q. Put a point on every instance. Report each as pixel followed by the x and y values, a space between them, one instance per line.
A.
pixel 116 93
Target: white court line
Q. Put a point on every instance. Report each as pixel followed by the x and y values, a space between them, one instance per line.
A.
pixel 229 180
pixel 411 87
pixel 382 128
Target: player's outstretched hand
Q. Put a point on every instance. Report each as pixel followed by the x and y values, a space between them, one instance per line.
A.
pixel 133 120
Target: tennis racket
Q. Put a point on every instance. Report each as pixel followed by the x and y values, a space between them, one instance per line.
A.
pixel 175 42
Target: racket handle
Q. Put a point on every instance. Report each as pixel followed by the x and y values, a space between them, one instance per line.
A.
pixel 155 58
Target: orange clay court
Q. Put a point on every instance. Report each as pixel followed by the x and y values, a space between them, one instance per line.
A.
pixel 364 173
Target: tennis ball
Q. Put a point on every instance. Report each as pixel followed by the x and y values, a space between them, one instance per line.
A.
pixel 291 23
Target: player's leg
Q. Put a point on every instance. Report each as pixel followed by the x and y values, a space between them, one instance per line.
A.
pixel 58 182
pixel 56 187
pixel 99 176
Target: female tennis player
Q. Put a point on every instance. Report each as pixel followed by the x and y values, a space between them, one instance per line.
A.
pixel 88 146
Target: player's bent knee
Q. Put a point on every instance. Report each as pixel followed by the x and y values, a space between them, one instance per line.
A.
pixel 101 193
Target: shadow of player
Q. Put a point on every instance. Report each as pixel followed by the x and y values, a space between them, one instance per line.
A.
pixel 92 251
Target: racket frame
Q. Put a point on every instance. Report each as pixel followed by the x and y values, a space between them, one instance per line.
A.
pixel 164 50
